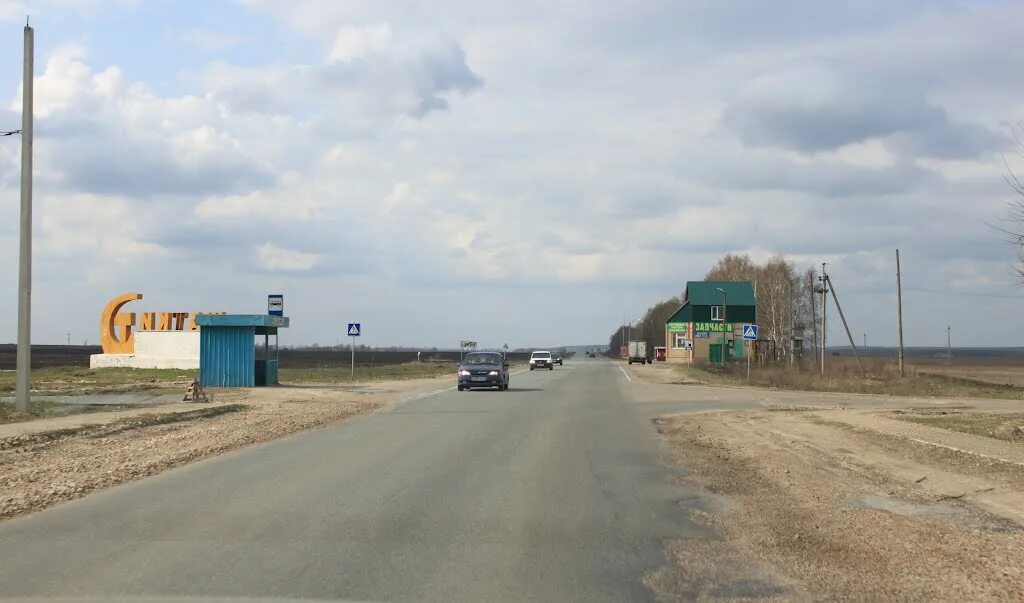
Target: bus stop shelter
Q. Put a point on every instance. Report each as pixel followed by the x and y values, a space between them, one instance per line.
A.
pixel 228 346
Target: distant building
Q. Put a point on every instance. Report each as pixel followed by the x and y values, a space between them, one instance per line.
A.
pixel 694 333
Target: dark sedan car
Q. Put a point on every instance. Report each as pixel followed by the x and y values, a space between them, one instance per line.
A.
pixel 483 369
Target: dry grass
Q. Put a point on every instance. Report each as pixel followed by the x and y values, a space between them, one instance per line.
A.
pixel 880 376
pixel 1007 427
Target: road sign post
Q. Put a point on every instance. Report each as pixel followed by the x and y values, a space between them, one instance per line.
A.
pixel 275 304
pixel 354 330
pixel 749 336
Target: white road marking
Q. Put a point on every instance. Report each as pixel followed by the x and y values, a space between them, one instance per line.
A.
pixel 624 374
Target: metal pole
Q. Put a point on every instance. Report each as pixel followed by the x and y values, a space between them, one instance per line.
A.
pixel 24 360
pixel 835 298
pixel 748 360
pixel 353 350
pixel 725 319
pixel 899 308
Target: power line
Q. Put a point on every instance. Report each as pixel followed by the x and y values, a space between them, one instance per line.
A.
pixel 970 293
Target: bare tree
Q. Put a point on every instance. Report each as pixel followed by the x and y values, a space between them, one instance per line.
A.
pixel 781 309
pixel 1015 220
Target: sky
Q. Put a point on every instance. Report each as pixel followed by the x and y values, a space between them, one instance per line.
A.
pixel 530 173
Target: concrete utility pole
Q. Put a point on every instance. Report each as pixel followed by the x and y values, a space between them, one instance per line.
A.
pixel 949 355
pixel 824 291
pixel 839 308
pixel 814 317
pixel 899 308
pixel 24 360
pixel 865 343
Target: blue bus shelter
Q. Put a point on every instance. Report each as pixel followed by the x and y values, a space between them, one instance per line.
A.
pixel 228 349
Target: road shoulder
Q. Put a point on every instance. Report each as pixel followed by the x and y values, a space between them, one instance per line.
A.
pixel 831 501
pixel 49 461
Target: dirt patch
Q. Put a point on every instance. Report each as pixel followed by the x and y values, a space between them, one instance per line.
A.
pixel 823 514
pixel 40 470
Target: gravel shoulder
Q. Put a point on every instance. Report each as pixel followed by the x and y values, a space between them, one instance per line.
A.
pixel 844 505
pixel 49 461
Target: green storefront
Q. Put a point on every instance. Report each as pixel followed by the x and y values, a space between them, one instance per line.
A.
pixel 708 319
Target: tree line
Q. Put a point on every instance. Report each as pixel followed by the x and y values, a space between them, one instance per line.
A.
pixel 786 306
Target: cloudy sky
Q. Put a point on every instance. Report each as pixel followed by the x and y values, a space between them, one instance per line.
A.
pixel 522 172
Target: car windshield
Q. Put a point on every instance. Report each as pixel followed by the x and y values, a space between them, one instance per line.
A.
pixel 542 354
pixel 482 359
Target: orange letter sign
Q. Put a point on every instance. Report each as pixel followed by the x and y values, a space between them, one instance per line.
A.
pixel 110 319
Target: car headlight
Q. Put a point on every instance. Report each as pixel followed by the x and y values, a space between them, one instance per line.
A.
pixel 533 360
pixel 494 373
pixel 463 373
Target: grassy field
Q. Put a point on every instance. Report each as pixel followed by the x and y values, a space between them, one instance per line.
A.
pixel 365 373
pixel 962 379
pixel 71 381
pixel 1007 427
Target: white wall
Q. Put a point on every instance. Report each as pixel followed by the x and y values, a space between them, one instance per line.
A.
pixel 156 349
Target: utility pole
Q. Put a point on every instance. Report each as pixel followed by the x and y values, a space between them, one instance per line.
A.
pixel 899 308
pixel 725 320
pixel 24 360
pixel 865 343
pixel 824 290
pixel 835 298
pixel 814 316
pixel 69 338
pixel 949 355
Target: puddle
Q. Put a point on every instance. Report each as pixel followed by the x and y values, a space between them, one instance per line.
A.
pixel 706 502
pixel 900 507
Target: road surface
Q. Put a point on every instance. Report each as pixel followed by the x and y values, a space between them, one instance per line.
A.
pixel 550 491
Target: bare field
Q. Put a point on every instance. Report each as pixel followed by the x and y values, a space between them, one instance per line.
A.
pixel 968 378
pixel 1000 371
pixel 820 510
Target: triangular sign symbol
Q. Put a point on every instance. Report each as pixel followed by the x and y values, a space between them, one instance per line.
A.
pixel 749 331
pixel 353 330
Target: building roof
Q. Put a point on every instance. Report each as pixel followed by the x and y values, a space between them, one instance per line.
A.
pixel 705 293
pixel 241 320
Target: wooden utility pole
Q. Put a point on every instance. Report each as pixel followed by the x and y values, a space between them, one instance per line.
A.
pixel 899 308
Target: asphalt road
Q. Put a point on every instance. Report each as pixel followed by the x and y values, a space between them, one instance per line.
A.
pixel 550 491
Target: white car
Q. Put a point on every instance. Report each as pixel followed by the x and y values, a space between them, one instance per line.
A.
pixel 541 359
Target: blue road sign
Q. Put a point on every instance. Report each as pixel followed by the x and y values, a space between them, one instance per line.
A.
pixel 750 332
pixel 275 305
pixel 353 329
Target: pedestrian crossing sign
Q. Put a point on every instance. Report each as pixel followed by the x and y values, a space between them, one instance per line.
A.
pixel 353 329
pixel 750 332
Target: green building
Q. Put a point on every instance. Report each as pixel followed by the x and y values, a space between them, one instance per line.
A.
pixel 695 332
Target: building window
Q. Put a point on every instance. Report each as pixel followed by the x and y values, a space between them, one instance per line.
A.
pixel 716 313
pixel 679 341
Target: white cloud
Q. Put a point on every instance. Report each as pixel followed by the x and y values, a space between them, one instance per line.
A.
pixel 209 41
pixel 357 42
pixel 274 258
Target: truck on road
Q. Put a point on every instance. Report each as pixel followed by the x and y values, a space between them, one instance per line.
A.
pixel 637 352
